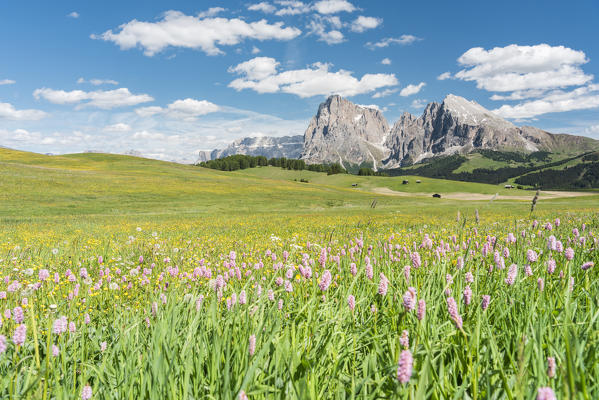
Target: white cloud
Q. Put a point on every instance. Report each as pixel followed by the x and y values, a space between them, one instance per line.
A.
pixel 520 95
pixel 179 30
pixel 262 76
pixel 318 27
pixel 517 68
pixel 8 111
pixel 98 82
pixel 384 93
pixel 7 82
pixel 592 129
pixel 263 6
pixel 333 6
pixel 363 23
pixel 255 50
pixel 257 68
pixel 211 12
pixel 412 89
pixel 386 61
pixel 119 127
pixel 104 99
pixel 148 111
pixel 582 98
pixel 74 14
pixel 402 40
pixel 292 7
pixel 186 109
pixel 418 103
pixel 444 76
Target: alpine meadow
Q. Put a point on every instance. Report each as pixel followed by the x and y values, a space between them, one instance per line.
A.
pixel 328 199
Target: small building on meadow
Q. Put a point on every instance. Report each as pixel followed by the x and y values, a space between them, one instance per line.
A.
pixel 405 182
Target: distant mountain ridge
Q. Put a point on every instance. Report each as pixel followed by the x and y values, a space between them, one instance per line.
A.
pixel 267 146
pixel 344 132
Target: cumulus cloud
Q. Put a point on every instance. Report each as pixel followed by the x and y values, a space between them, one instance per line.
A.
pixel 119 127
pixel 186 109
pixel 263 6
pixel 514 67
pixel 211 12
pixel 402 40
pixel 538 77
pixel 386 61
pixel 261 75
pixel 74 14
pixel 255 50
pixel 7 82
pixel 98 82
pixel 318 27
pixel 363 23
pixel 592 129
pixel 179 30
pixel 333 6
pixel 384 93
pixel 104 99
pixel 292 7
pixel 444 76
pixel 412 89
pixel 582 98
pixel 8 111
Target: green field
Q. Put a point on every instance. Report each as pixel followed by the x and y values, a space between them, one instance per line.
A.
pixel 135 278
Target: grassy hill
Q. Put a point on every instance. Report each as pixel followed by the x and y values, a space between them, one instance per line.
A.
pixel 535 170
pixel 34 186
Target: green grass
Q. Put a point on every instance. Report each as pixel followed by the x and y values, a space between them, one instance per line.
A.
pixel 61 213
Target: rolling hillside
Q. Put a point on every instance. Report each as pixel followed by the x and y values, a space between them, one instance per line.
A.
pixel 34 186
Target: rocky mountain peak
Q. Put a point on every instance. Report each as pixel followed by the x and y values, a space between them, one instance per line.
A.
pixel 471 113
pixel 348 133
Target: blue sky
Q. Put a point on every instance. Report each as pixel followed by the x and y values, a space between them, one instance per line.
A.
pixel 167 79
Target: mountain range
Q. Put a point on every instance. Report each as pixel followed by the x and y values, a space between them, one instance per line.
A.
pixel 352 134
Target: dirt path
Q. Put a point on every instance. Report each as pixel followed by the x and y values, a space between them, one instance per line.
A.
pixel 480 196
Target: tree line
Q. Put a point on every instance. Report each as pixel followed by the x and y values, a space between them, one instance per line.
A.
pixel 241 161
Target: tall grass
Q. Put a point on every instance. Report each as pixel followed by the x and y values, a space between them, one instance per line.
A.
pixel 160 343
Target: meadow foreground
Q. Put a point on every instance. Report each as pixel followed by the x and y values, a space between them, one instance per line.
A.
pixel 373 308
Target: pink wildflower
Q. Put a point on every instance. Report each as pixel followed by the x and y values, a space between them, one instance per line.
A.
pixel 325 280
pixel 467 295
pixel 550 367
pixel 404 340
pixel 17 315
pixel 511 275
pixel 86 393
pixel 20 335
pixel 383 284
pixel 409 299
pixel 55 350
pixel 452 308
pixel 541 284
pixel 546 393
pixel 551 266
pixel 252 345
pixel 404 369
pixel 421 309
pixel 531 256
pixel 569 253
pixel 587 265
pixel 351 302
pixel 2 344
pixel 485 302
